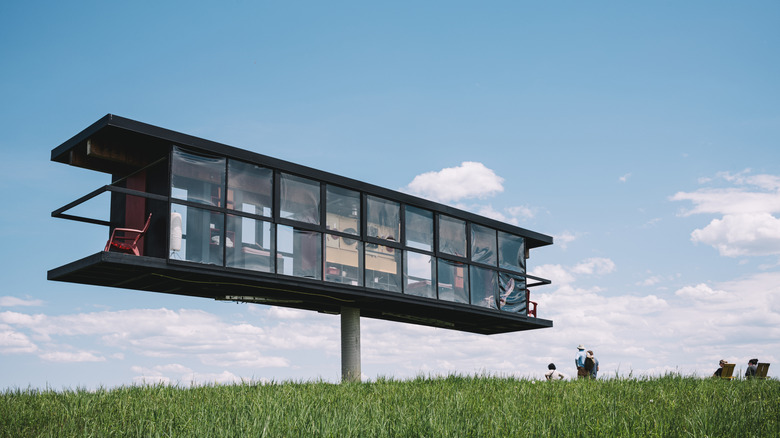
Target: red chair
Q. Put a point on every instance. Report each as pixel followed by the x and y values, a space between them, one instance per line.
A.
pixel 130 238
pixel 531 304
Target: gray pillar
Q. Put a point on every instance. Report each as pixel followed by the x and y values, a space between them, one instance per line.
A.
pixel 350 344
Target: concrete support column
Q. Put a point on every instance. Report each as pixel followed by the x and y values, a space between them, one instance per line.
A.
pixel 350 344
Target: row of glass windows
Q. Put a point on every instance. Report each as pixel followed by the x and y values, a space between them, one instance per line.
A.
pixel 401 251
pixel 249 189
pixel 246 243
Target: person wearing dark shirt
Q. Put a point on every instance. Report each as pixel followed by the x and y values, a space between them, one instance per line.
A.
pixel 719 371
pixel 752 368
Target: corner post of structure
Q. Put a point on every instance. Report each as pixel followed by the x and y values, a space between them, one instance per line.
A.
pixel 350 344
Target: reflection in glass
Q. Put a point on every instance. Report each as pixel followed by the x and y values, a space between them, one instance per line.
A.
pixel 343 260
pixel 197 235
pixel 197 178
pixel 484 287
pixel 342 210
pixel 483 245
pixel 419 274
pixel 453 281
pixel 250 188
pixel 299 252
pixel 253 244
pixel 511 252
pixel 419 228
pixel 383 218
pixel 383 267
pixel 300 199
pixel 512 293
pixel 452 236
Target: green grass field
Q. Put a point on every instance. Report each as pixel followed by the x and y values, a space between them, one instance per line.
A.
pixel 454 406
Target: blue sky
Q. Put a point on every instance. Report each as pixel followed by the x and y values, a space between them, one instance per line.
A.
pixel 643 137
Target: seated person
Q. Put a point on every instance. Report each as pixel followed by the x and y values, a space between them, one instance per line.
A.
pixel 719 371
pixel 751 369
pixel 552 374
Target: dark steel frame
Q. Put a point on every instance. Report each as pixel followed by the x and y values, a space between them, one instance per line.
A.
pixel 195 279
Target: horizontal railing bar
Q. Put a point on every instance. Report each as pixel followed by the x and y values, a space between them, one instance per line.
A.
pixel 81 200
pixel 83 219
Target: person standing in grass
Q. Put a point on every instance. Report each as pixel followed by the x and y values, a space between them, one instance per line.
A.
pixel 579 362
pixel 553 374
pixel 591 360
pixel 752 368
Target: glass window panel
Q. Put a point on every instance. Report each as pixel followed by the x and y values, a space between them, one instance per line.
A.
pixel 343 260
pixel 383 267
pixel 511 252
pixel 197 235
pixel 483 245
pixel 252 244
pixel 299 252
pixel 453 281
pixel 383 218
pixel 197 178
pixel 343 210
pixel 419 228
pixel 300 199
pixel 419 274
pixel 484 287
pixel 250 188
pixel 512 293
pixel 452 236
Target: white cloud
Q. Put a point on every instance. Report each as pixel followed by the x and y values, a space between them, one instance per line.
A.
pixel 747 226
pixel 469 180
pixel 766 182
pixel 9 301
pixel 522 212
pixel 629 332
pixel 742 234
pixel 595 265
pixel 650 281
pixel 71 356
pixel 564 239
pixel 12 341
pixel 286 313
pixel 157 333
pixel 729 201
pixel 703 292
pixel 624 178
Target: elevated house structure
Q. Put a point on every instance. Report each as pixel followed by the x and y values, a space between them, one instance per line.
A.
pixel 194 217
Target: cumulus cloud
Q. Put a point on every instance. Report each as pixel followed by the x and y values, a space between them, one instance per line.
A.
pixel 72 356
pixel 564 239
pixel 595 265
pixel 469 180
pixel 286 313
pixel 9 301
pixel 742 234
pixel 510 215
pixel 630 332
pixel 159 333
pixel 12 341
pixel 747 225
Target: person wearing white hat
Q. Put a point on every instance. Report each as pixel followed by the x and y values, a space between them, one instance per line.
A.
pixel 579 361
